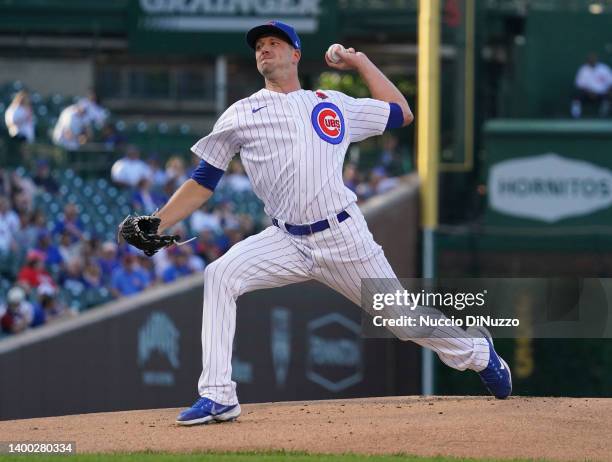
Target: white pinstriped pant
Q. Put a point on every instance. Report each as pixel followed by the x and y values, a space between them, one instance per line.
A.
pixel 338 257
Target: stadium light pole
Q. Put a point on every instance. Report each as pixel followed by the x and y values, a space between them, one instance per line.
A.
pixel 428 136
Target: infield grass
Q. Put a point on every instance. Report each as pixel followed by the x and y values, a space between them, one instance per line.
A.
pixel 239 457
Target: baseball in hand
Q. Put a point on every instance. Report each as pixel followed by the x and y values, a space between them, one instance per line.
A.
pixel 332 52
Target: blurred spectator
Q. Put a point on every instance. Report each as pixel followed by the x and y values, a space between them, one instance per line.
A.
pixel 391 157
pixel 43 179
pixel 108 260
pixel 38 315
pixel 351 176
pixel 19 118
pixel 111 138
pixel 247 225
pixel 168 190
pixel 52 308
pixel 5 182
pixel 206 247
pixel 158 174
pixel 195 262
pixel 234 235
pixel 227 217
pixel 236 179
pixel 70 223
pixel 71 278
pixel 175 172
pixel 38 222
pixel 178 267
pixel 68 248
pixel 593 86
pixel 22 203
pixel 72 128
pixel 27 238
pixel 381 182
pixel 9 227
pixel 92 275
pixel 145 201
pixel 162 259
pixel 149 267
pixel 23 191
pixel 378 183
pixel 202 219
pixel 53 257
pixel 18 312
pixel 95 114
pixel 33 273
pixel 129 278
pixel 129 170
pixel 90 248
pixel 195 163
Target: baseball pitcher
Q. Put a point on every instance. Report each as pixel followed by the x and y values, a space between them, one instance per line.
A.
pixel 292 143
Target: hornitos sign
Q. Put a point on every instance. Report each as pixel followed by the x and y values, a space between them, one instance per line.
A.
pixel 549 187
pixel 227 15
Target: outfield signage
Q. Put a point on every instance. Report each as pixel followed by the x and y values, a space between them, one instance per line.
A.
pixel 549 187
pixel 229 15
pixel 218 26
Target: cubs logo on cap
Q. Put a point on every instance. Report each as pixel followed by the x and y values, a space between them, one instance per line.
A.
pixel 328 122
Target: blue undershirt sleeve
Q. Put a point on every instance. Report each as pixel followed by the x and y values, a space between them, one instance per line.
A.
pixel 396 116
pixel 207 175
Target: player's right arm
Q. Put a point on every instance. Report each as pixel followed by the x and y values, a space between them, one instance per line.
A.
pixel 381 88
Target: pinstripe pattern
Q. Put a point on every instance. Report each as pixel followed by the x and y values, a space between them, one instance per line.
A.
pixel 298 176
pixel 339 257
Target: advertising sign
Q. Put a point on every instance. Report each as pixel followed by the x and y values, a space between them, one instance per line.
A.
pixel 549 187
pixel 219 26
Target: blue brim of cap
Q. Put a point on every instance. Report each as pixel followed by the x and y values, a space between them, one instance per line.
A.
pixel 266 29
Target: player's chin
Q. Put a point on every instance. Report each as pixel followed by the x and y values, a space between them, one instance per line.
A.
pixel 265 69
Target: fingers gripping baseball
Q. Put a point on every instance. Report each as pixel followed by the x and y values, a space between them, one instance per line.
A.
pixel 342 58
pixel 141 232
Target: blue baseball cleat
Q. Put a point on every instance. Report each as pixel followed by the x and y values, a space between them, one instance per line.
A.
pixel 205 410
pixel 496 376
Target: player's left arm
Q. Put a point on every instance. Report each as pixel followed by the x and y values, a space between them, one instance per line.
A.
pixel 380 86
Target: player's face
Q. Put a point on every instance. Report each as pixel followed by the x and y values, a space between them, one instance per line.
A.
pixel 275 57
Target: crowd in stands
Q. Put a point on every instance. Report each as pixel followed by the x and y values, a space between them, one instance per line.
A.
pixel 62 255
pixel 384 176
pixel 57 260
pixel 72 129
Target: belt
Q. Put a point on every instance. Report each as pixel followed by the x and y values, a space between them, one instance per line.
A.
pixel 305 230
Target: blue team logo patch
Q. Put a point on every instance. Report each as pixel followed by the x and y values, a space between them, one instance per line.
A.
pixel 328 122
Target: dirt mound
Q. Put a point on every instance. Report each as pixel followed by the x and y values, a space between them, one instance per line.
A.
pixel 551 428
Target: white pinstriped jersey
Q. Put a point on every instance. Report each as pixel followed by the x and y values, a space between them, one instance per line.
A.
pixel 292 147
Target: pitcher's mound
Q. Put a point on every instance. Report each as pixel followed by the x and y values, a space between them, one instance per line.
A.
pixel 551 428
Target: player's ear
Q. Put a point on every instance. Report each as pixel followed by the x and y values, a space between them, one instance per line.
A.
pixel 297 55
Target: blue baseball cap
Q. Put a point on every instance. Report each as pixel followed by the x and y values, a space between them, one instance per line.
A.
pixel 277 28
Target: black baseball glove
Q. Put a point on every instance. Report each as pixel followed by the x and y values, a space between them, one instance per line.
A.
pixel 141 232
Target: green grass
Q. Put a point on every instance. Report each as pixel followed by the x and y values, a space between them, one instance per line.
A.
pixel 235 457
